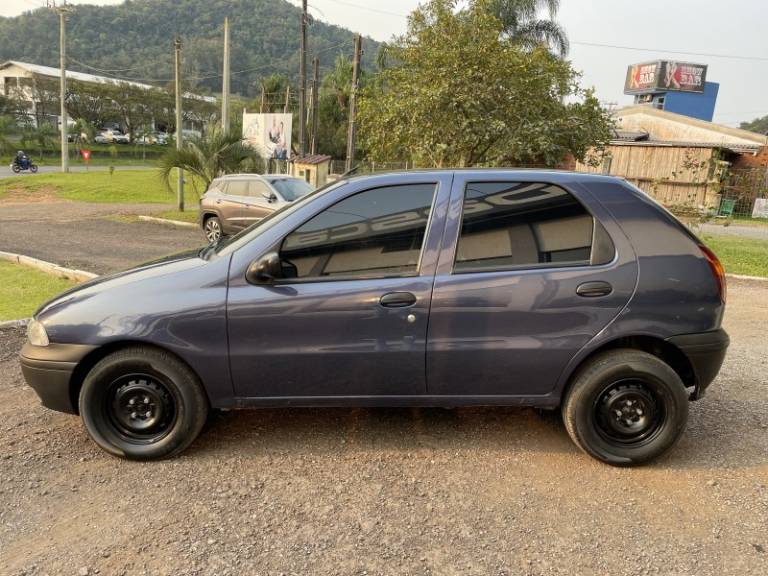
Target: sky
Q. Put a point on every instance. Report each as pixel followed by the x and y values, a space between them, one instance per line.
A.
pixel 703 31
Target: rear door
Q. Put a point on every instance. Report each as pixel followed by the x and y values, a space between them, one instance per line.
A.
pixel 527 275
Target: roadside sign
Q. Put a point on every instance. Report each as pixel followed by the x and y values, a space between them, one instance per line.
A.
pixel 760 209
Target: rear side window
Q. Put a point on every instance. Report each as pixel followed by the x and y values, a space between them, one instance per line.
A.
pixel 237 188
pixel 376 233
pixel 509 225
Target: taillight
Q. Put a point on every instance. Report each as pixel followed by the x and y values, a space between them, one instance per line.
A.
pixel 717 270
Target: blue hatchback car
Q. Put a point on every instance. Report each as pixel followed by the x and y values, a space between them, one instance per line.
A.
pixel 434 288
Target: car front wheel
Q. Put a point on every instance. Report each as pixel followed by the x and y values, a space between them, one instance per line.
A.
pixel 212 228
pixel 625 407
pixel 142 403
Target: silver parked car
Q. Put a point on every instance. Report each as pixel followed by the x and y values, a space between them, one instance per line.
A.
pixel 234 202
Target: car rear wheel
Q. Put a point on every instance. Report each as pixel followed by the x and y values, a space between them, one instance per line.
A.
pixel 212 228
pixel 625 407
pixel 142 403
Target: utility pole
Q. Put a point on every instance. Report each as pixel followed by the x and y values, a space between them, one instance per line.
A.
pixel 179 122
pixel 303 82
pixel 263 98
pixel 315 102
pixel 352 130
pixel 63 10
pixel 225 88
pixel 287 99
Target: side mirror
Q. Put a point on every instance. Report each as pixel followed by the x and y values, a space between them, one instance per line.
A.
pixel 271 197
pixel 265 270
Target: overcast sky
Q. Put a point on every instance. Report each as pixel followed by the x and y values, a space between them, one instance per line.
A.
pixel 703 28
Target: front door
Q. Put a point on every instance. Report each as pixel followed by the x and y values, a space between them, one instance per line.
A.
pixel 527 276
pixel 349 318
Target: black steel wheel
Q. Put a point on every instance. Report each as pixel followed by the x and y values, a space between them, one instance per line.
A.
pixel 142 403
pixel 628 412
pixel 141 407
pixel 625 407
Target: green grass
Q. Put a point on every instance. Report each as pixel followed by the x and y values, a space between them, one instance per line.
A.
pixel 189 215
pixel 23 289
pixel 746 256
pixel 122 187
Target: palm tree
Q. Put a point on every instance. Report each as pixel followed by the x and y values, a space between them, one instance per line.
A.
pixel 211 156
pixel 522 24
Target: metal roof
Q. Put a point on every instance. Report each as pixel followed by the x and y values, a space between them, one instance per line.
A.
pixel 91 78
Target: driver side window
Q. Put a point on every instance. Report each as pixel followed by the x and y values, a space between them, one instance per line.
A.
pixel 373 234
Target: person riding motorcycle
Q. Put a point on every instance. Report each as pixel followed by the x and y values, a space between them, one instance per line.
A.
pixel 21 158
pixel 23 162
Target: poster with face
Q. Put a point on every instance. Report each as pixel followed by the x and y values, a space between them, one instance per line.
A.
pixel 270 134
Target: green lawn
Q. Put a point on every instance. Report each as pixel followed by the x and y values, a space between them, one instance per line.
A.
pixel 126 186
pixel 747 256
pixel 23 289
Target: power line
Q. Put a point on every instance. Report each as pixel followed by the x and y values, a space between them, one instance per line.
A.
pixel 637 48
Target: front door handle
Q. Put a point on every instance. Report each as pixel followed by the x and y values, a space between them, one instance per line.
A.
pixel 594 289
pixel 397 300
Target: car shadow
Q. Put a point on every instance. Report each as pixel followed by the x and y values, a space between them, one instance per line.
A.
pixel 719 435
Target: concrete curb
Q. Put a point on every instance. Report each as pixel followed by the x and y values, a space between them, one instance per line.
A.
pixel 167 221
pixel 742 277
pixel 48 267
pixel 15 323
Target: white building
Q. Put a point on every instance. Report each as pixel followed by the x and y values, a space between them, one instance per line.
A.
pixel 16 79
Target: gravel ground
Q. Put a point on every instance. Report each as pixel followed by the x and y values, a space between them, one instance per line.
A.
pixel 94 237
pixel 394 491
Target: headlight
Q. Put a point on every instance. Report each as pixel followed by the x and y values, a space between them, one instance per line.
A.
pixel 36 334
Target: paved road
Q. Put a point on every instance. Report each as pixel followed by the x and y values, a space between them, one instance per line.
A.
pixel 382 492
pixel 757 232
pixel 5 170
pixel 93 237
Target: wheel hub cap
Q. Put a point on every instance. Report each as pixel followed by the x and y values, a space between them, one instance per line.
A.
pixel 141 406
pixel 628 412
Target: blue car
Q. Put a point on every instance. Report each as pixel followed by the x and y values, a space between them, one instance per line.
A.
pixel 434 288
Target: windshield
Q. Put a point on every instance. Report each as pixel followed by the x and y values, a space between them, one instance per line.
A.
pixel 291 188
pixel 228 244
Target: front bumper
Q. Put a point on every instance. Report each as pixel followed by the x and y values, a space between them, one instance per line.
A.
pixel 48 371
pixel 706 352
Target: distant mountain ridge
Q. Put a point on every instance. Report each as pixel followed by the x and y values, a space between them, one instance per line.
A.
pixel 134 40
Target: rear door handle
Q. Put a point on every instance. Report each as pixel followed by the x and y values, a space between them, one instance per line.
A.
pixel 594 289
pixel 397 300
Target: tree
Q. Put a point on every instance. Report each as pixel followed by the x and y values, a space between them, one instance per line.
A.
pixel 759 125
pixel 461 93
pixel 521 22
pixel 210 157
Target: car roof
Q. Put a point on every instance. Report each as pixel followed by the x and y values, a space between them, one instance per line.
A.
pixel 258 177
pixel 551 175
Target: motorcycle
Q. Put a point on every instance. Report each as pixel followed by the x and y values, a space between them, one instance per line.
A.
pixel 23 165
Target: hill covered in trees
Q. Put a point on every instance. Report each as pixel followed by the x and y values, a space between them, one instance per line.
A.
pixel 134 40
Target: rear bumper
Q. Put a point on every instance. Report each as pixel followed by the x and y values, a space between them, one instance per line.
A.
pixel 706 352
pixel 48 371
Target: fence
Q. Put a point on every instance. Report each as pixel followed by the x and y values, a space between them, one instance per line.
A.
pixel 742 191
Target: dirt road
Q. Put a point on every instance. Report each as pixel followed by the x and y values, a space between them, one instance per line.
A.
pixel 432 492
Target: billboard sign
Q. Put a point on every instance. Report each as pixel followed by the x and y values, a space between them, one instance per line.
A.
pixel 665 76
pixel 270 134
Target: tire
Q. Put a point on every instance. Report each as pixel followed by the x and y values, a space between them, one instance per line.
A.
pixel 212 228
pixel 141 403
pixel 33 168
pixel 16 169
pixel 625 407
